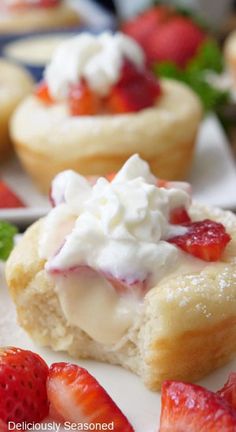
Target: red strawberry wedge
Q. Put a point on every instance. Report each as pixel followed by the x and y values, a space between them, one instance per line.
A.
pixel 205 240
pixel 8 199
pixel 179 216
pixel 42 93
pixel 228 392
pixel 78 397
pixel 191 408
pixel 23 394
pixel 83 101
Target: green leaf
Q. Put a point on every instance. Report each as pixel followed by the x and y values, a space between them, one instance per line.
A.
pixel 7 233
pixel 209 58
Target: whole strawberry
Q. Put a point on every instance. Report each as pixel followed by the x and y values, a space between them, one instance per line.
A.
pixel 177 40
pixel 23 394
pixel 166 35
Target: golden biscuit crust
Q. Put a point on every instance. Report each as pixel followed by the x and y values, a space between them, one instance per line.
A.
pixel 42 19
pixel 15 85
pixel 49 140
pixel 186 329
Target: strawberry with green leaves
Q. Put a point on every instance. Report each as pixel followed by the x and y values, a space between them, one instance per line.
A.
pixel 166 35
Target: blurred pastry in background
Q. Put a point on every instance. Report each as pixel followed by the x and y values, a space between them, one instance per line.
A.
pixel 230 55
pixel 35 51
pixel 15 84
pixel 105 105
pixel 20 16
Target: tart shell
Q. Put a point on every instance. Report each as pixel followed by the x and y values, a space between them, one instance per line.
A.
pixel 230 54
pixel 187 327
pixel 15 84
pixel 48 139
pixel 40 19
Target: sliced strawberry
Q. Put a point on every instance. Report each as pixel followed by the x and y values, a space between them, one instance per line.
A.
pixel 23 395
pixel 134 95
pixel 8 199
pixel 162 183
pixel 228 391
pixel 83 101
pixel 110 176
pixel 25 4
pixel 178 41
pixel 78 397
pixel 179 216
pixel 42 92
pixel 122 287
pixel 205 240
pixel 192 408
pixel 48 3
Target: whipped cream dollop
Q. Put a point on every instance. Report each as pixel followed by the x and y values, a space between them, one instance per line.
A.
pixel 102 237
pixel 97 59
pixel 118 227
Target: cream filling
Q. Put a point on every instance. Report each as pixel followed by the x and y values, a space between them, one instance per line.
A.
pixel 90 303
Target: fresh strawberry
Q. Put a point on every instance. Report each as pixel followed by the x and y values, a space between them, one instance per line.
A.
pixel 25 4
pixel 228 391
pixel 191 408
pixel 48 3
pixel 110 176
pixel 137 287
pixel 83 101
pixel 178 41
pixel 205 239
pixel 8 199
pixel 145 24
pixel 78 397
pixel 42 92
pixel 179 216
pixel 23 394
pixel 136 90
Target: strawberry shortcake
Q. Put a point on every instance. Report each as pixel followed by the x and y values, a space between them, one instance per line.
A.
pixel 15 84
pixel 99 104
pixel 129 271
pixel 20 16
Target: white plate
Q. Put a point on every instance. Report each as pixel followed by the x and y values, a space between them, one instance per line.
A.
pixel 141 406
pixel 213 177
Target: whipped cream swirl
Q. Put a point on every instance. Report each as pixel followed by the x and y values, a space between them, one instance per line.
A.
pixel 98 59
pixel 118 228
